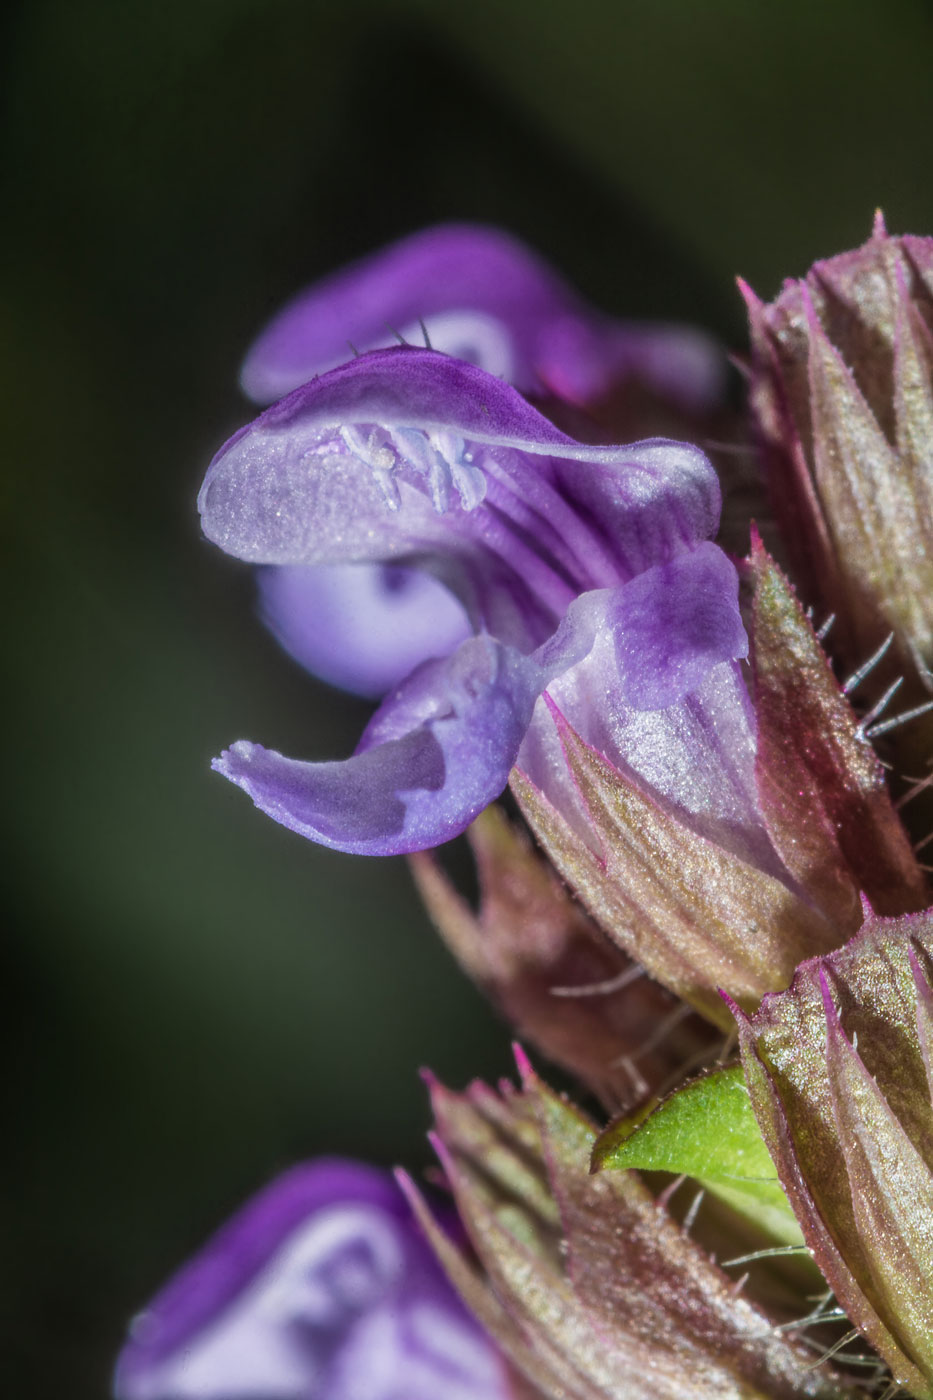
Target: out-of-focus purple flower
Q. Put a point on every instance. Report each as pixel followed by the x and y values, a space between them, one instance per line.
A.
pixel 483 297
pixel 362 627
pixel 559 553
pixel 321 1288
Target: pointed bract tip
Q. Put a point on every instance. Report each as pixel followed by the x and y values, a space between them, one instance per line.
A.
pixel 751 298
pixel 406 1185
pixel 733 1005
pixel 921 981
pixel 814 324
pixel 523 1064
pixel 830 1010
pixel 443 1154
pixel 879 228
pixel 867 910
pixel 554 708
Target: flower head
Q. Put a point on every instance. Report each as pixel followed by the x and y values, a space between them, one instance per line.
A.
pixel 479 295
pixel 320 1288
pixel 410 457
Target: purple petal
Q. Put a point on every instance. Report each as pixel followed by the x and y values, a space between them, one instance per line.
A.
pixel 441 747
pixel 436 753
pixel 409 454
pixel 362 627
pixel 582 361
pixel 438 750
pixel 485 298
pixel 673 624
pixel 482 295
pixel 320 1287
pixel 660 696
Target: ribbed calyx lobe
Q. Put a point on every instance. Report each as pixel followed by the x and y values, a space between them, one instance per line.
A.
pixel 838 1067
pixel 842 396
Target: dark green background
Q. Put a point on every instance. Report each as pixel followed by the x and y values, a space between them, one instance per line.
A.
pixel 195 997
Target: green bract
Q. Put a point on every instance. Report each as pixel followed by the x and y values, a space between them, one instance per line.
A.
pixel 707 1130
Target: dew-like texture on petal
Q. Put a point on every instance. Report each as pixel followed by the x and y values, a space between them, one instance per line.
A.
pixel 483 297
pixel 673 624
pixel 320 1288
pixel 362 627
pixel 661 697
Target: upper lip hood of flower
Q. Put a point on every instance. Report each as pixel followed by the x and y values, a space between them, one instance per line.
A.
pixel 484 297
pixel 410 455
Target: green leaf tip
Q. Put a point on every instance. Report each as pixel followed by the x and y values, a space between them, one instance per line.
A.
pixel 707 1130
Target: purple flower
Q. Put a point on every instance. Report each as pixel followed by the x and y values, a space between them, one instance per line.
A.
pixel 407 456
pixel 482 297
pixel 320 1288
pixel 485 298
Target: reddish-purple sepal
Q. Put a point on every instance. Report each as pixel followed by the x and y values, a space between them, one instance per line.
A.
pixel 696 915
pixel 822 790
pixel 837 1068
pixel 556 977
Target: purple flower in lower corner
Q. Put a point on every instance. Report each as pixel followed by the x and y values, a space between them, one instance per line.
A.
pixel 556 557
pixel 321 1288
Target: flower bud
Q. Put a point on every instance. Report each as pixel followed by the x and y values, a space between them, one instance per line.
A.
pixel 587 1282
pixel 840 1077
pixel 842 396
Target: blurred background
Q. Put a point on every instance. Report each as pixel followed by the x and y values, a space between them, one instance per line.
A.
pixel 197 998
